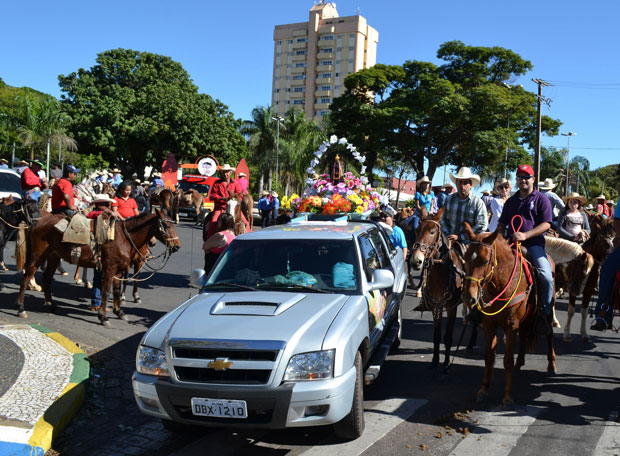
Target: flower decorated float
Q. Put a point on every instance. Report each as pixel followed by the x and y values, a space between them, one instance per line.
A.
pixel 340 193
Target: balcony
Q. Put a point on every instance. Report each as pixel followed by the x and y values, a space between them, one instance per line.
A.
pixel 299 58
pixel 323 81
pixel 324 68
pixel 324 93
pixel 296 45
pixel 327 29
pixel 325 55
pixel 298 70
pixel 321 106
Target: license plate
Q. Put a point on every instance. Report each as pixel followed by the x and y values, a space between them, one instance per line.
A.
pixel 220 408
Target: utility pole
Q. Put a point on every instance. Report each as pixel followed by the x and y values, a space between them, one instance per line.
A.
pixel 568 135
pixel 541 84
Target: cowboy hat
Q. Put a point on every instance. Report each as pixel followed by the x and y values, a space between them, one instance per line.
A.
pixel 3 160
pixel 102 198
pixel 547 184
pixel 116 170
pixel 242 174
pixel 448 185
pixel 21 163
pixel 574 196
pixel 274 194
pixel 589 207
pixel 146 183
pixel 502 181
pixel 486 192
pixel 100 173
pixel 226 167
pixel 601 197
pixel 465 173
pixel 264 193
pixel 423 179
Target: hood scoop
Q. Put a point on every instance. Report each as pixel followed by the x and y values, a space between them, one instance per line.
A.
pixel 262 303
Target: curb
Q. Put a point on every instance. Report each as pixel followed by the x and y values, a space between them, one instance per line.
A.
pixel 37 439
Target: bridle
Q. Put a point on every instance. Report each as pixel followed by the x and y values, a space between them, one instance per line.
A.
pixel 426 249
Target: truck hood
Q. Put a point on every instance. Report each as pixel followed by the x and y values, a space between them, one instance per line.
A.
pixel 249 316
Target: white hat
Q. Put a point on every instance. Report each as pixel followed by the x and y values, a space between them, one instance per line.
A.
pixel 486 192
pixel 116 170
pixel 102 198
pixel 264 193
pixel 422 180
pixel 465 173
pixel 274 194
pixel 226 167
pixel 575 196
pixel 547 184
pixel 156 174
pixel 601 197
pixel 242 174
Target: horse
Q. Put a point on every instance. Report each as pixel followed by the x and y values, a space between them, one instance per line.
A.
pixel 442 279
pixel 247 208
pixel 600 244
pixel 507 301
pixel 163 198
pixel 45 244
pixel 191 198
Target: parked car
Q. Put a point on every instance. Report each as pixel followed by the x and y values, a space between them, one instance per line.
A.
pixel 10 184
pixel 203 185
pixel 288 326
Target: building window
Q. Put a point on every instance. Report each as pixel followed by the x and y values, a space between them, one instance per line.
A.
pixel 277 102
pixel 299 89
pixel 325 75
pixel 277 78
pixel 289 53
pixel 326 62
pixel 300 52
pixel 301 40
pixel 289 41
pixel 350 60
pixel 288 89
pixel 299 102
pixel 278 54
pixel 298 77
pixel 351 48
pixel 325 87
pixel 280 42
pixel 288 65
pixel 325 100
pixel 338 62
pixel 327 37
pixel 277 90
pixel 351 35
pixel 322 113
pixel 300 65
pixel 278 66
pixel 288 78
pixel 327 50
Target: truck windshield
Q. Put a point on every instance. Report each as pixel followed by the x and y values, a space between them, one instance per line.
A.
pixel 289 264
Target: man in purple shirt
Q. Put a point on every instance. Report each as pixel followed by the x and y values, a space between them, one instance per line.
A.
pixel 536 213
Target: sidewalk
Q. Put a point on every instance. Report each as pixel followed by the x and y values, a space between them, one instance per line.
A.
pixel 43 379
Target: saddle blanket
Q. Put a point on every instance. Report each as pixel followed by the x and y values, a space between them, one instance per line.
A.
pixel 76 231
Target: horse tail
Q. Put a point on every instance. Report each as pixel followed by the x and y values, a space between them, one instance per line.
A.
pixel 22 247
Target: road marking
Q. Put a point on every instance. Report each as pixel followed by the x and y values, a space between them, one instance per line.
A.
pixel 609 443
pixel 504 430
pixel 380 420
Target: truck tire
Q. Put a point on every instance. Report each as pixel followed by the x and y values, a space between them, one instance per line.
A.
pixel 352 426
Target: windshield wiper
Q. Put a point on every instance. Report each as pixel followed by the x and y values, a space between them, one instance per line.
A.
pixel 293 286
pixel 229 284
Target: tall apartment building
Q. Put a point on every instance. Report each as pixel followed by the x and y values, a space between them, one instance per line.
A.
pixel 311 59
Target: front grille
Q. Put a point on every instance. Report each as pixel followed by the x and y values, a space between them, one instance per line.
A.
pixel 233 355
pixel 233 376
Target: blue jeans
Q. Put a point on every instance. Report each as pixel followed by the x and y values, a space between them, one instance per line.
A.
pixel 95 300
pixel 605 285
pixel 538 257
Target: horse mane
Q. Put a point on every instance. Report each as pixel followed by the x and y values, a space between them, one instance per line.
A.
pixel 562 250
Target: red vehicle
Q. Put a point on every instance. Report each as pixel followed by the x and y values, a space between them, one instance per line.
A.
pixel 203 185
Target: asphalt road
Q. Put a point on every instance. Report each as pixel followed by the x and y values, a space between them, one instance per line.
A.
pixel 409 409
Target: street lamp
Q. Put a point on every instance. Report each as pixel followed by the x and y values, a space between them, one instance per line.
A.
pixel 277 119
pixel 568 135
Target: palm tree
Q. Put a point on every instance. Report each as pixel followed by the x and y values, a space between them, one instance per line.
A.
pixel 579 173
pixel 55 123
pixel 260 132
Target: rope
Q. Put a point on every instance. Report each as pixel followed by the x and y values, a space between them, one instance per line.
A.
pixel 7 223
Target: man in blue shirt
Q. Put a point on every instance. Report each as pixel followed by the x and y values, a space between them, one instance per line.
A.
pixel 263 208
pixel 274 206
pixel 117 178
pixel 397 236
pixel 605 303
pixel 157 180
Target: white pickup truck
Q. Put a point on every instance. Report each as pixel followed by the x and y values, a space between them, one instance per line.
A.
pixel 285 331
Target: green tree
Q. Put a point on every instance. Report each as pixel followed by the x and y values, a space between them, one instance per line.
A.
pixel 462 112
pixel 133 108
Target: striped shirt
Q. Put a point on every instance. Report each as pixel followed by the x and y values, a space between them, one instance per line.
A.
pixel 471 210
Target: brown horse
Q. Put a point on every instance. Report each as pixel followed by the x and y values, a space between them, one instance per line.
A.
pixel 45 245
pixel 192 198
pixel 496 283
pixel 442 279
pixel 600 244
pixel 247 208
pixel 163 198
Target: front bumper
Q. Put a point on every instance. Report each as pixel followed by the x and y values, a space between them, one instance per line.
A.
pixel 292 404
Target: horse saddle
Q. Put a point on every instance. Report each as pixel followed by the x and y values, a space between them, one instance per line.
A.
pixel 75 231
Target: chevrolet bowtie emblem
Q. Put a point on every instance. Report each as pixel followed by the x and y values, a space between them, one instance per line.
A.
pixel 220 364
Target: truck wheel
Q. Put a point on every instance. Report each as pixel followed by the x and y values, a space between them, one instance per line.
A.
pixel 352 426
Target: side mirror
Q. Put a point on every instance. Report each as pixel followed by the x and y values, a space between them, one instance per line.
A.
pixel 197 278
pixel 382 278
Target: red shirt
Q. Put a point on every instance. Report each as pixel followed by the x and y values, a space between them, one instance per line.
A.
pixel 59 190
pixel 221 190
pixel 29 179
pixel 126 207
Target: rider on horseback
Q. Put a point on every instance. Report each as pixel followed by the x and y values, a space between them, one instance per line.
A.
pixel 535 210
pixel 223 190
pixel 31 182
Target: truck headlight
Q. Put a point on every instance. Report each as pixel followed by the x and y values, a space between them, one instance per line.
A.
pixel 151 361
pixel 311 366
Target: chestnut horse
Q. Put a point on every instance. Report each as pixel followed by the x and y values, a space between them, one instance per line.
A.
pixel 600 244
pixel 45 245
pixel 165 199
pixel 497 284
pixel 442 279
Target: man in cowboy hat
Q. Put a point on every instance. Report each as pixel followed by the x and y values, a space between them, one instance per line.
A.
pixel 463 206
pixel 4 163
pixel 536 214
pixel 274 206
pixel 502 188
pixel 117 178
pixel 157 180
pixel 397 235
pixel 242 179
pixel 605 302
pixel 557 205
pixel 424 196
pixel 486 199
pixel 223 190
pixel 30 180
pixel 263 208
pixel 601 206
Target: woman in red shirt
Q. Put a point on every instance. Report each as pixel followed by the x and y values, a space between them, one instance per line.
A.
pixel 125 205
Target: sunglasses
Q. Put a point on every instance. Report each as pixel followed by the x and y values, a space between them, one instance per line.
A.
pixel 524 177
pixel 504 187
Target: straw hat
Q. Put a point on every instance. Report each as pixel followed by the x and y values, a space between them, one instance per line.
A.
pixel 3 160
pixel 274 194
pixel 264 193
pixel 21 163
pixel 547 184
pixel 146 183
pixel 486 192
pixel 601 197
pixel 226 167
pixel 574 196
pixel 102 198
pixel 448 185
pixel 500 182
pixel 465 173
pixel 116 170
pixel 423 180
pixel 242 174
pixel 589 207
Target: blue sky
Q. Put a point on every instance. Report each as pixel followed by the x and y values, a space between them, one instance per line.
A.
pixel 227 47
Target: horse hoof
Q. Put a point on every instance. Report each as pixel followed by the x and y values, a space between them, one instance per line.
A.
pixel 22 314
pixel 556 324
pixel 88 285
pixel 122 316
pixel 105 322
pixel 79 282
pixel 137 300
